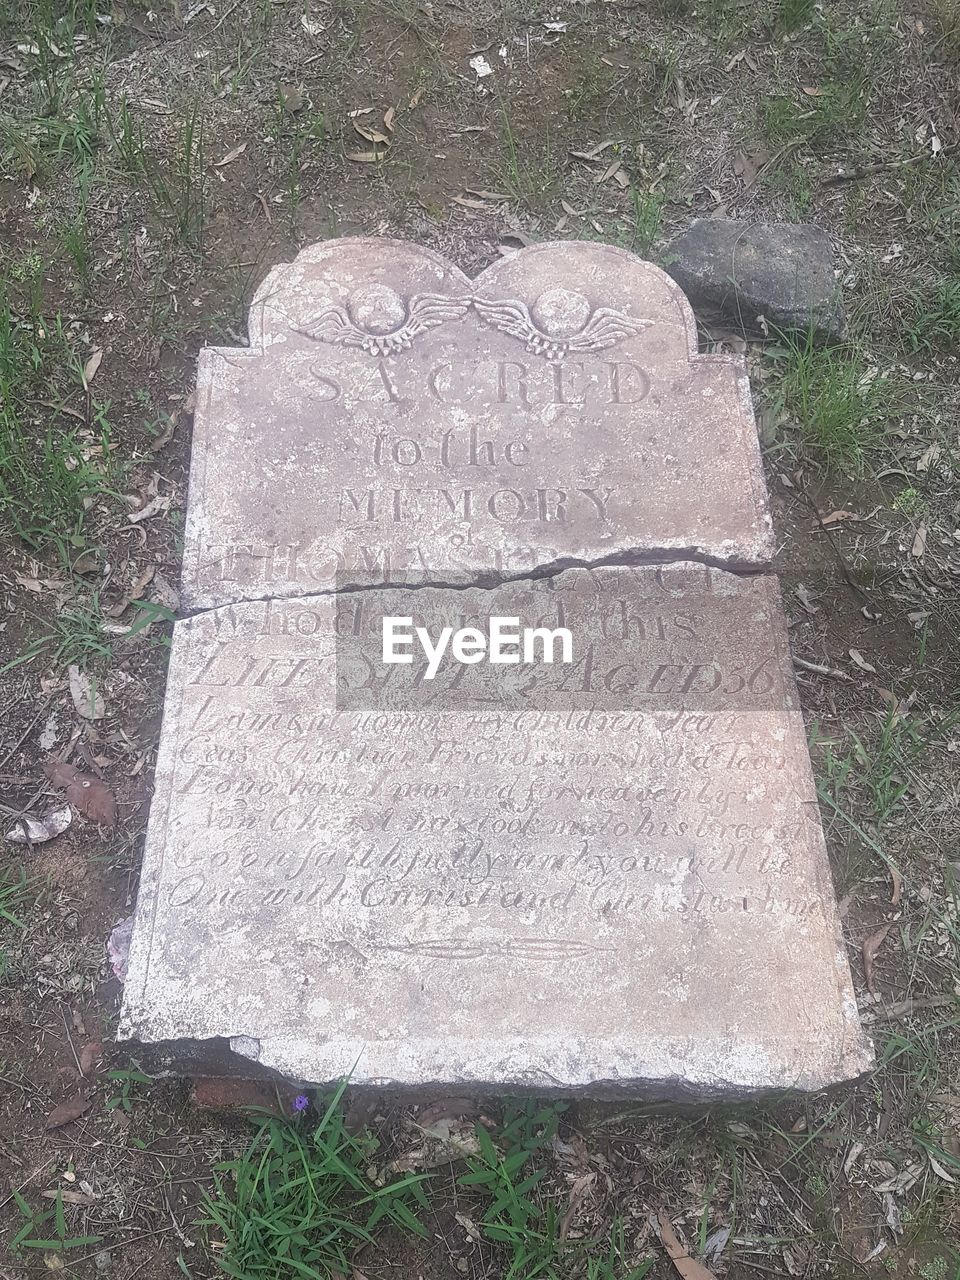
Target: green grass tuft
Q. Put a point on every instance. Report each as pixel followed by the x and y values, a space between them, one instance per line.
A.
pixel 836 404
pixel 299 1201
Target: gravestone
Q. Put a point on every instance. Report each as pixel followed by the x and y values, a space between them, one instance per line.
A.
pixel 395 421
pixel 605 876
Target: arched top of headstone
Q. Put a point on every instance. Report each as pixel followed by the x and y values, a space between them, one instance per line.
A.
pixel 396 421
pixel 555 299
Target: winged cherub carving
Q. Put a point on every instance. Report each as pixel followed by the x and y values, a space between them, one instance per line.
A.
pixel 380 322
pixel 559 322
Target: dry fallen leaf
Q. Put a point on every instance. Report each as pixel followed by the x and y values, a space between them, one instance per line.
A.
pixel 90 1055
pixel 376 136
pixel 686 1266
pixel 292 98
pixel 156 506
pixel 928 458
pixel 87 699
pixel 366 157
pixel 870 948
pixel 27 830
pixel 858 660
pixel 70 1197
pixel 231 156
pixel 91 367
pixel 919 542
pixel 836 516
pixel 72 1109
pixel 806 599
pixel 896 885
pixel 87 794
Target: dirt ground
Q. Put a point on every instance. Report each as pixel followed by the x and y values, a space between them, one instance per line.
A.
pixel 154 163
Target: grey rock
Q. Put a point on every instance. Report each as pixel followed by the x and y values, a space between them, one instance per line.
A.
pixel 780 271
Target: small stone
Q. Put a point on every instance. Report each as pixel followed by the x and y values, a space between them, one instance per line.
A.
pixel 776 275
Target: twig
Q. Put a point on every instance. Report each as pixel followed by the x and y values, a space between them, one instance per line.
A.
pixel 868 170
pixel 844 568
pixel 834 672
pixel 70 1043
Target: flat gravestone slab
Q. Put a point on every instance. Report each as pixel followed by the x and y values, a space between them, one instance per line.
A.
pixel 604 877
pixel 394 418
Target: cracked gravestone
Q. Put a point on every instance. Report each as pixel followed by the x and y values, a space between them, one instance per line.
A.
pixel 600 876
pixel 393 419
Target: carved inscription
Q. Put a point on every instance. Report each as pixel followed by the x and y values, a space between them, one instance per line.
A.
pixel 637 784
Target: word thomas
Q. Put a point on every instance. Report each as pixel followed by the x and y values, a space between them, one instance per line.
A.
pixel 468 645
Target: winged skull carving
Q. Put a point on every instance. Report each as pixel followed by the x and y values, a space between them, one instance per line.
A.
pixel 380 322
pixel 560 322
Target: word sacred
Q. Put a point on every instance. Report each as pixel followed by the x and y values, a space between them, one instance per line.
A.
pixel 503 643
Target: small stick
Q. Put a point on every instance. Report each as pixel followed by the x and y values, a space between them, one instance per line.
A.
pixel 834 672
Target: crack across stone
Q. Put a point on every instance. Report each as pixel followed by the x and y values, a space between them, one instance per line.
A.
pixel 493 581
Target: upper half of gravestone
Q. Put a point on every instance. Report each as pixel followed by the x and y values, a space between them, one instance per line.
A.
pixel 395 421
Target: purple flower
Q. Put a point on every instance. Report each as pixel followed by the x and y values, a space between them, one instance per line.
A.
pixel 301 1102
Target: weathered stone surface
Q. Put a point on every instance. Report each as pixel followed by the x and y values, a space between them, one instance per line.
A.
pixel 393 417
pixel 602 878
pixel 779 273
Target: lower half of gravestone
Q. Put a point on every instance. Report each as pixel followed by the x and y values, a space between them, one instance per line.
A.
pixel 600 875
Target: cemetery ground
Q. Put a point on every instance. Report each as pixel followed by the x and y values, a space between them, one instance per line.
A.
pixel 154 162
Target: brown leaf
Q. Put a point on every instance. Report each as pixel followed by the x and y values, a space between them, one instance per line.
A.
pixel 919 542
pixel 896 885
pixel 72 1109
pixel 870 948
pixel 87 698
pixel 928 458
pixel 60 773
pixel 229 158
pixel 91 367
pixel 70 1197
pixel 292 99
pixel 365 157
pixel 87 794
pixel 388 118
pixel 89 1056
pixel 858 660
pixel 376 136
pixel 578 1192
pixel 94 800
pixel 836 516
pixel 686 1266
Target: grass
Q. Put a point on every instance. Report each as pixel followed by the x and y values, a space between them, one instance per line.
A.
pixel 46 1229
pixel 934 325
pixel 75 636
pixel 881 768
pixel 299 1201
pixel 51 469
pixel 523 1221
pixel 837 404
pixel 14 896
